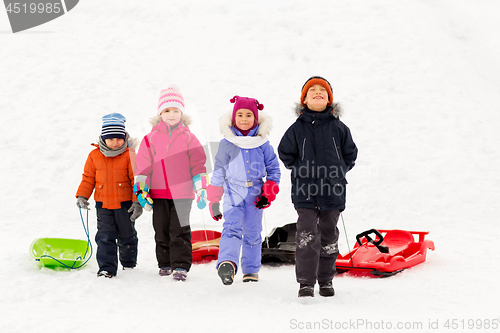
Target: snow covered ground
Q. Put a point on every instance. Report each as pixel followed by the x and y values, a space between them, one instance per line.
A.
pixel 419 81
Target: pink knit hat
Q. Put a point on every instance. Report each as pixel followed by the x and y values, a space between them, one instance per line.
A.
pixel 246 103
pixel 171 97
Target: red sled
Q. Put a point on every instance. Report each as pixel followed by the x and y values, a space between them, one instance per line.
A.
pixel 205 245
pixel 387 254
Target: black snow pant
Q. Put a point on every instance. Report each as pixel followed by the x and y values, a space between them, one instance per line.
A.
pixel 173 233
pixel 115 231
pixel 317 248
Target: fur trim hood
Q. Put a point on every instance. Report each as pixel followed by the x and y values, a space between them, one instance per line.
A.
pixel 185 119
pixel 133 143
pixel 226 122
pixel 337 110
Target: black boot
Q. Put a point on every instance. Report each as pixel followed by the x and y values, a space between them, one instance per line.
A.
pixel 106 274
pixel 306 290
pixel 326 289
pixel 226 272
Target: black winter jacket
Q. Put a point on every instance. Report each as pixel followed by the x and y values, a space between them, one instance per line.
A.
pixel 319 150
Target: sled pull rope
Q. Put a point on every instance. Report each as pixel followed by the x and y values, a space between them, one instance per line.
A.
pixel 89 244
pixel 347 240
pixel 205 229
pixel 265 228
pixel 87 232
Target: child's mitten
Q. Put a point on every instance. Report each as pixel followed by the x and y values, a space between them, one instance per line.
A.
pixel 136 210
pixel 215 193
pixel 141 190
pixel 214 208
pixel 269 191
pixel 201 198
pixel 82 202
pixel 200 182
pixel 262 202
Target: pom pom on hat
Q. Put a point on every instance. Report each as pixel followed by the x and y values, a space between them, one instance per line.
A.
pixel 246 103
pixel 171 97
pixel 113 126
pixel 316 80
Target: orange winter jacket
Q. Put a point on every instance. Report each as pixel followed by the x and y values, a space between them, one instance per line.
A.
pixel 111 177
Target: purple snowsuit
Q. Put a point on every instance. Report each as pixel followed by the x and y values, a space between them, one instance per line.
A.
pixel 241 164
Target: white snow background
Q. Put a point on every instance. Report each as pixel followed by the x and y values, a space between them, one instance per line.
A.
pixel 419 81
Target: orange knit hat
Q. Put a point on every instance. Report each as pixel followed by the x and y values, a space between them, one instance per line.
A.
pixel 316 80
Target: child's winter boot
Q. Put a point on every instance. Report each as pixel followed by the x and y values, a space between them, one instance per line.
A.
pixel 226 272
pixel 180 274
pixel 106 274
pixel 165 271
pixel 326 289
pixel 306 290
pixel 251 277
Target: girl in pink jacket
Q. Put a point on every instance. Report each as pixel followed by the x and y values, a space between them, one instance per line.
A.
pixel 170 171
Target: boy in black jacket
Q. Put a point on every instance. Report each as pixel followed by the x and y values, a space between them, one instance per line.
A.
pixel 319 150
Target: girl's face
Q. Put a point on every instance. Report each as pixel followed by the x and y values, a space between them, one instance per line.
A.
pixel 316 98
pixel 244 119
pixel 114 143
pixel 171 116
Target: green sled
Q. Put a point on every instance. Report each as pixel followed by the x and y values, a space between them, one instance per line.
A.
pixel 61 252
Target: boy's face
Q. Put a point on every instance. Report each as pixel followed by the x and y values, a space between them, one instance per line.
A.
pixel 316 98
pixel 114 143
pixel 171 116
pixel 244 119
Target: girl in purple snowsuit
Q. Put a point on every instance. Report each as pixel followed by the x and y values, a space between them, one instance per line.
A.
pixel 243 159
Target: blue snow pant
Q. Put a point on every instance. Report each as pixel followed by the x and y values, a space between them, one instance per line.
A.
pixel 115 231
pixel 241 229
pixel 317 248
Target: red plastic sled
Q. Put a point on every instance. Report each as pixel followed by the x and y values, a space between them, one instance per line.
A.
pixel 205 245
pixel 387 255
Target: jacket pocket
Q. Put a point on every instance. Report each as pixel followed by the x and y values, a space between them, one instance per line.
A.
pixel 303 149
pixel 99 192
pixel 338 190
pixel 336 148
pixel 301 190
pixel 343 165
pixel 124 190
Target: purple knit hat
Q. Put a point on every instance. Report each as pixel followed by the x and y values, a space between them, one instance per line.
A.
pixel 246 103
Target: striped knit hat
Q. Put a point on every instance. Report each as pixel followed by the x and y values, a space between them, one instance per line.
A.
pixel 171 97
pixel 113 126
pixel 316 80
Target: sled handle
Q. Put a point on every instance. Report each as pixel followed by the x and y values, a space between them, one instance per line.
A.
pixel 381 248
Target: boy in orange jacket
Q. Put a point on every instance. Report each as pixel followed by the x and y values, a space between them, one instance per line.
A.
pixel 110 171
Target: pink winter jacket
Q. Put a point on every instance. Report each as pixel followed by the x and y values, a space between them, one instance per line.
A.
pixel 170 159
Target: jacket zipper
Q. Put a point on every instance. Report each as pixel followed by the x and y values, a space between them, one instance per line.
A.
pixel 170 137
pixel 336 150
